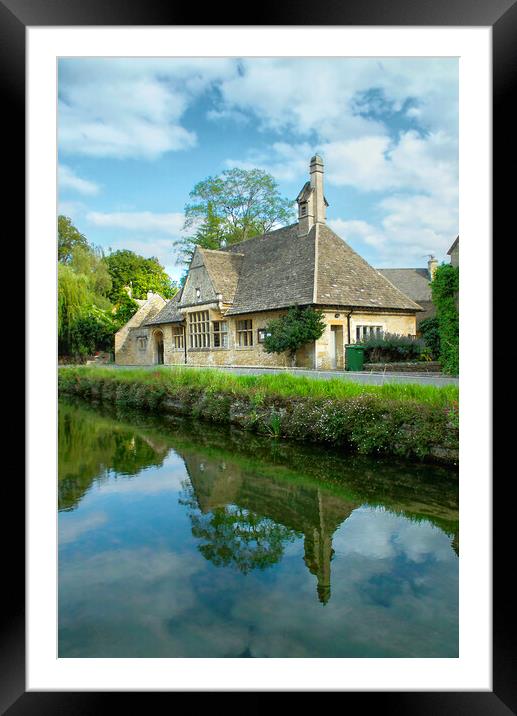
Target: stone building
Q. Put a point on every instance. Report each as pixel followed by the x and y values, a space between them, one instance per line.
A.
pixel 454 252
pixel 220 315
pixel 415 283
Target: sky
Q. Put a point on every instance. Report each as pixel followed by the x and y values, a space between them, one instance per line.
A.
pixel 135 135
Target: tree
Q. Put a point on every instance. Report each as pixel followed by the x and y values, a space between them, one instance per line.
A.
pixel 445 287
pixel 232 207
pixel 129 269
pixel 89 261
pixel 292 331
pixel 68 239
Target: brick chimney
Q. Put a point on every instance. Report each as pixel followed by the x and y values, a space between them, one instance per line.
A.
pixel 432 265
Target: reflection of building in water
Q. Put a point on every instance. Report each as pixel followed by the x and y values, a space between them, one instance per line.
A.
pixel 302 508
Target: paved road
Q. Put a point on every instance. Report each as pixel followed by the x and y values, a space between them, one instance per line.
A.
pixel 368 378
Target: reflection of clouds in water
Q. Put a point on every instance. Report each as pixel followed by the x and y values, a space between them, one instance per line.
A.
pixel 71 529
pixel 379 534
pixel 148 602
pixel 151 480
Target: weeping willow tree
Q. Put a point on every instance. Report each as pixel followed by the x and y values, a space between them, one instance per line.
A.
pixel 84 318
pixel 73 296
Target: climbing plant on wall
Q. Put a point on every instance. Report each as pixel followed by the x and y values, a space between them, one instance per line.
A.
pixel 445 287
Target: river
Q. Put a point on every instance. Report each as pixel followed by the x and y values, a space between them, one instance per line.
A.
pixel 181 539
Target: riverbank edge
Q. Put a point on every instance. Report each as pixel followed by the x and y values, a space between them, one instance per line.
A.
pixel 365 423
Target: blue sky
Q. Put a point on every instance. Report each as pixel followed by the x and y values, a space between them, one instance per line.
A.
pixel 135 136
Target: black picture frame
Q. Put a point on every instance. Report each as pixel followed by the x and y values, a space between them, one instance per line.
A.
pixel 501 16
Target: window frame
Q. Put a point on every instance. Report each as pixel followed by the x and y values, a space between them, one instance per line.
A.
pixel 361 328
pixel 178 338
pixel 221 335
pixel 244 333
pixel 199 330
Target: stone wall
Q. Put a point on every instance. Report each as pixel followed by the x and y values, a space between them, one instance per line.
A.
pixel 127 343
pixel 330 350
pixel 420 367
pixel 325 354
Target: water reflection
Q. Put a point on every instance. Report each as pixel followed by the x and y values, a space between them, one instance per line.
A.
pixel 245 519
pixel 376 536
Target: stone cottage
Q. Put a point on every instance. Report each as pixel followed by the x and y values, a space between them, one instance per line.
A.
pixel 220 315
pixel 416 284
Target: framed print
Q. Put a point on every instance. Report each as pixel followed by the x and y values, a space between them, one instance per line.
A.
pixel 115 119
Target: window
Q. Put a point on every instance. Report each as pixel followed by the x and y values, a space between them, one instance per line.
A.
pixel 178 339
pixel 363 333
pixel 303 210
pixel 261 335
pixel 220 334
pixel 245 333
pixel 199 330
pixel 198 294
pixel 142 343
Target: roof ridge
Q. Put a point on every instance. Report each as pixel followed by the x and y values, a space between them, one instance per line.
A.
pixel 259 236
pixel 221 251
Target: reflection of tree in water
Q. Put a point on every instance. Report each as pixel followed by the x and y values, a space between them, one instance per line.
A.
pixel 233 535
pixel 90 449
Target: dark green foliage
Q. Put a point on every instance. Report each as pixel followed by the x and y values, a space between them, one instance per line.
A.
pixel 445 288
pixel 292 331
pixel 391 347
pixel 125 309
pixel 128 269
pixel 93 331
pixel 430 331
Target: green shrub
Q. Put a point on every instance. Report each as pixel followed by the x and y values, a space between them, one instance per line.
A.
pixel 430 330
pixel 445 287
pixel 294 330
pixel 391 348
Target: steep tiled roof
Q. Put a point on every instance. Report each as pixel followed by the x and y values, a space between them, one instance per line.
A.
pixel 277 270
pixel 280 269
pixel 223 269
pixel 344 278
pixel 168 314
pixel 414 282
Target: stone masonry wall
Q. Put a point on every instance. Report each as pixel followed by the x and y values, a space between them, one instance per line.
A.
pixel 127 350
pixel 326 359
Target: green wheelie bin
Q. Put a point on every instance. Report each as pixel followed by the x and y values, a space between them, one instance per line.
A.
pixel 354 357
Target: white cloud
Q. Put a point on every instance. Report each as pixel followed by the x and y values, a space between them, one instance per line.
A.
pixel 142 221
pixel 323 95
pixel 131 108
pixel 68 179
pixel 358 231
pixel 156 234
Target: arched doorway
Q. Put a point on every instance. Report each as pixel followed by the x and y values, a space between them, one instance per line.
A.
pixel 158 347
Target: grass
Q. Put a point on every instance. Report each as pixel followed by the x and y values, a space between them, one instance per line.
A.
pixel 283 385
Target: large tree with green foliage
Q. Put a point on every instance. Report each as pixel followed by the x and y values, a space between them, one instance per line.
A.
pixel 232 207
pixel 69 238
pixel 129 269
pixel 445 287
pixel 294 330
pixel 86 321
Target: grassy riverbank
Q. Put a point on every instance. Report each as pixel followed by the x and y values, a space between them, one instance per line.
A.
pixel 398 419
